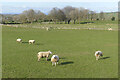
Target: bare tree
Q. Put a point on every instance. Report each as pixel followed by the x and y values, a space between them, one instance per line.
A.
pixel 61 16
pixel 16 19
pixel 39 16
pixel 22 18
pixel 57 15
pixel 67 11
pixel 102 15
pixel 81 13
pixel 93 15
pixel 74 14
pixel 53 14
pixel 84 14
pixel 30 15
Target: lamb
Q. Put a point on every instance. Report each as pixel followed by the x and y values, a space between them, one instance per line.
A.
pixel 43 54
pixel 31 41
pixel 54 59
pixel 19 40
pixel 98 54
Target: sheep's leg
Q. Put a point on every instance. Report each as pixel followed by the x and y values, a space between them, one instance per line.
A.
pixel 38 58
pixel 52 63
pixel 55 63
pixel 46 59
pixel 97 57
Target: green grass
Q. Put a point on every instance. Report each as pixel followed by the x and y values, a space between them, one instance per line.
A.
pixel 105 24
pixel 74 47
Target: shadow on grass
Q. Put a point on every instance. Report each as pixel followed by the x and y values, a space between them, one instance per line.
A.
pixel 25 42
pixel 35 43
pixel 65 63
pixel 48 59
pixel 62 58
pixel 104 57
pixel 38 44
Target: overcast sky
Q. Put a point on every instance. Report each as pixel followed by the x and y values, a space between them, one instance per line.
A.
pixel 59 0
pixel 17 6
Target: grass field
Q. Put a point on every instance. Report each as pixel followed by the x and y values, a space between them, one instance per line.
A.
pixel 75 48
pixel 105 24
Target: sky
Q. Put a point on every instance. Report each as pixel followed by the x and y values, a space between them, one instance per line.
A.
pixel 59 0
pixel 18 6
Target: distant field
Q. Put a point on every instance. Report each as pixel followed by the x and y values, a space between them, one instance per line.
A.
pixel 102 25
pixel 75 48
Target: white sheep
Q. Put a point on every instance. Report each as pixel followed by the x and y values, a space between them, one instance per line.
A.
pixel 19 40
pixel 110 29
pixel 47 28
pixel 98 54
pixel 31 41
pixel 44 54
pixel 54 59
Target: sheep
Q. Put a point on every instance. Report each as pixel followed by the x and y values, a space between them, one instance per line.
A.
pixel 31 41
pixel 54 59
pixel 47 28
pixel 110 29
pixel 19 40
pixel 98 54
pixel 43 54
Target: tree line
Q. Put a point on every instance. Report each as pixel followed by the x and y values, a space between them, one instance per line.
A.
pixel 56 15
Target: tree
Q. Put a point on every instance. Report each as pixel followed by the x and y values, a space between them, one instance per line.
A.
pixel 39 16
pixel 22 18
pixel 93 15
pixel 2 19
pixel 16 19
pixel 61 16
pixel 113 18
pixel 85 14
pixel 30 15
pixel 57 15
pixel 74 14
pixel 67 11
pixel 102 16
pixel 53 14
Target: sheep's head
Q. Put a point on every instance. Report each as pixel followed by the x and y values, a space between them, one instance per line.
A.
pixel 50 52
pixel 101 54
pixel 54 56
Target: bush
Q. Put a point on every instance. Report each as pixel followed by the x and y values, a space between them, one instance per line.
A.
pixel 113 18
pixel 97 19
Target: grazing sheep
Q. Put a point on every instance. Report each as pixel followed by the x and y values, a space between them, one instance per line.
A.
pixel 44 54
pixel 110 29
pixel 19 40
pixel 31 41
pixel 54 59
pixel 47 29
pixel 98 54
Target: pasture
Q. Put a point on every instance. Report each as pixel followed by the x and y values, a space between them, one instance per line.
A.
pixel 74 47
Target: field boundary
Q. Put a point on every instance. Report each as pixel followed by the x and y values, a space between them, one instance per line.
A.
pixel 61 28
